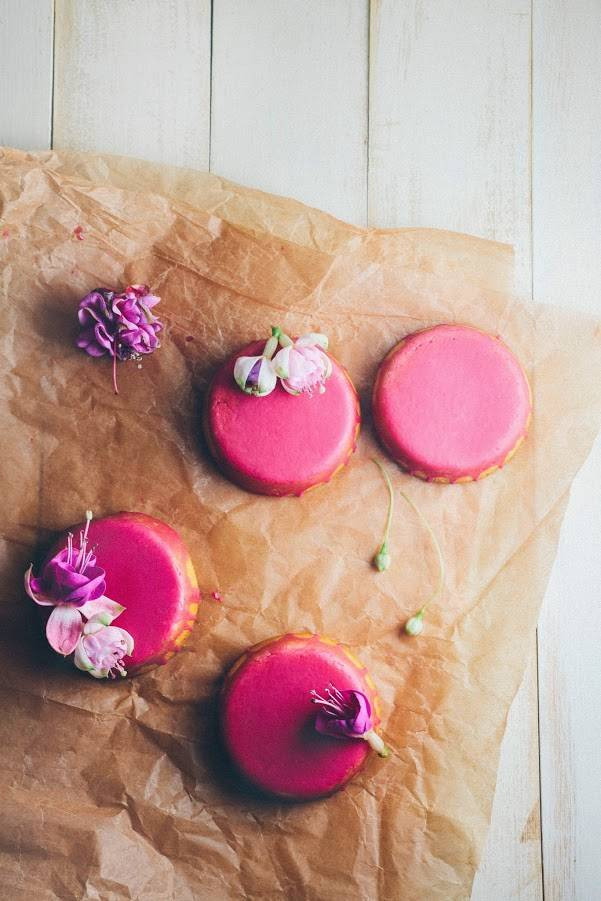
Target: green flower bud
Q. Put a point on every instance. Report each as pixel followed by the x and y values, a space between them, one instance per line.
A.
pixel 415 624
pixel 382 558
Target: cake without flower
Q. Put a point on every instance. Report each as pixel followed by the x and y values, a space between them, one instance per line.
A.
pixel 451 404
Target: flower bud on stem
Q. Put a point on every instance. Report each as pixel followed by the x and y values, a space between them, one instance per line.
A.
pixel 382 559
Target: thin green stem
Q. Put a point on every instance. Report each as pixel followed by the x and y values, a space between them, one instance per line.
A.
pixel 437 548
pixel 390 500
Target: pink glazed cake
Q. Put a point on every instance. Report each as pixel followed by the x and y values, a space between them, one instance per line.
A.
pixel 451 404
pixel 278 444
pixel 268 720
pixel 148 571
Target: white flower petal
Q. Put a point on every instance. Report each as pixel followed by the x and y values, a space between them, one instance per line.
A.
pixel 81 659
pixel 128 639
pixel 267 379
pixel 327 366
pixel 242 368
pixel 281 362
pixel 313 338
pixel 102 610
pixel 287 387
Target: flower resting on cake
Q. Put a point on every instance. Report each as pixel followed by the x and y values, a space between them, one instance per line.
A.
pixel 256 375
pixel 302 366
pixel 121 325
pixel 101 649
pixel 347 714
pixel 74 584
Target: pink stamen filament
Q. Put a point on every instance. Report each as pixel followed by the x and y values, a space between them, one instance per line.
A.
pixel 331 705
pixel 82 550
pixel 83 546
pixel 86 560
pixel 69 548
pixel 333 690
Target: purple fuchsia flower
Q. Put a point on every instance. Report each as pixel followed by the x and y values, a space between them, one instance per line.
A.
pixel 74 584
pixel 101 649
pixel 347 714
pixel 121 325
pixel 303 365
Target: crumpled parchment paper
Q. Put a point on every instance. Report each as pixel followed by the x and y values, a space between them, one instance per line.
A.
pixel 119 790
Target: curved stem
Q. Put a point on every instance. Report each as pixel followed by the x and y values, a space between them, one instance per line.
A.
pixel 390 500
pixel 437 548
pixel 115 372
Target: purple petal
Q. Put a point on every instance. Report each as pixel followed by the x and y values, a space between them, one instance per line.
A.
pixel 64 628
pixel 93 588
pixel 102 336
pixel 355 722
pixel 33 589
pixel 252 379
pixel 361 721
pixel 336 728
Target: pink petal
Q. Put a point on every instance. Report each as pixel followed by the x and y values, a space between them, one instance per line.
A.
pixel 64 628
pixel 103 608
pixel 287 386
pixel 29 588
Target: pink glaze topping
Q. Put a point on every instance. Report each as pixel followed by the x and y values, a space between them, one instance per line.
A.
pixel 280 444
pixel 268 719
pixel 451 403
pixel 148 571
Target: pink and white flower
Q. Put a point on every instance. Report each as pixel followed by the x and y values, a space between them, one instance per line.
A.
pixel 101 649
pixel 303 365
pixel 74 584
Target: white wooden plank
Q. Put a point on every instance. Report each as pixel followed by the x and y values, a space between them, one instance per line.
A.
pixel 449 119
pixel 134 78
pixel 567 271
pixel 289 99
pixel 510 869
pixel 449 139
pixel 26 31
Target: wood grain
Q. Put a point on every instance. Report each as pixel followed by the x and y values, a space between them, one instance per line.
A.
pixel 289 107
pixel 449 127
pixel 567 271
pixel 26 34
pixel 449 145
pixel 134 78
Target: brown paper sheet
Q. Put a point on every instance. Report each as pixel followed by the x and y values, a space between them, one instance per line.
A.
pixel 119 790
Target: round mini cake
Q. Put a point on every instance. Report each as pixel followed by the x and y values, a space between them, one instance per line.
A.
pixel 451 404
pixel 147 570
pixel 280 444
pixel 268 718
